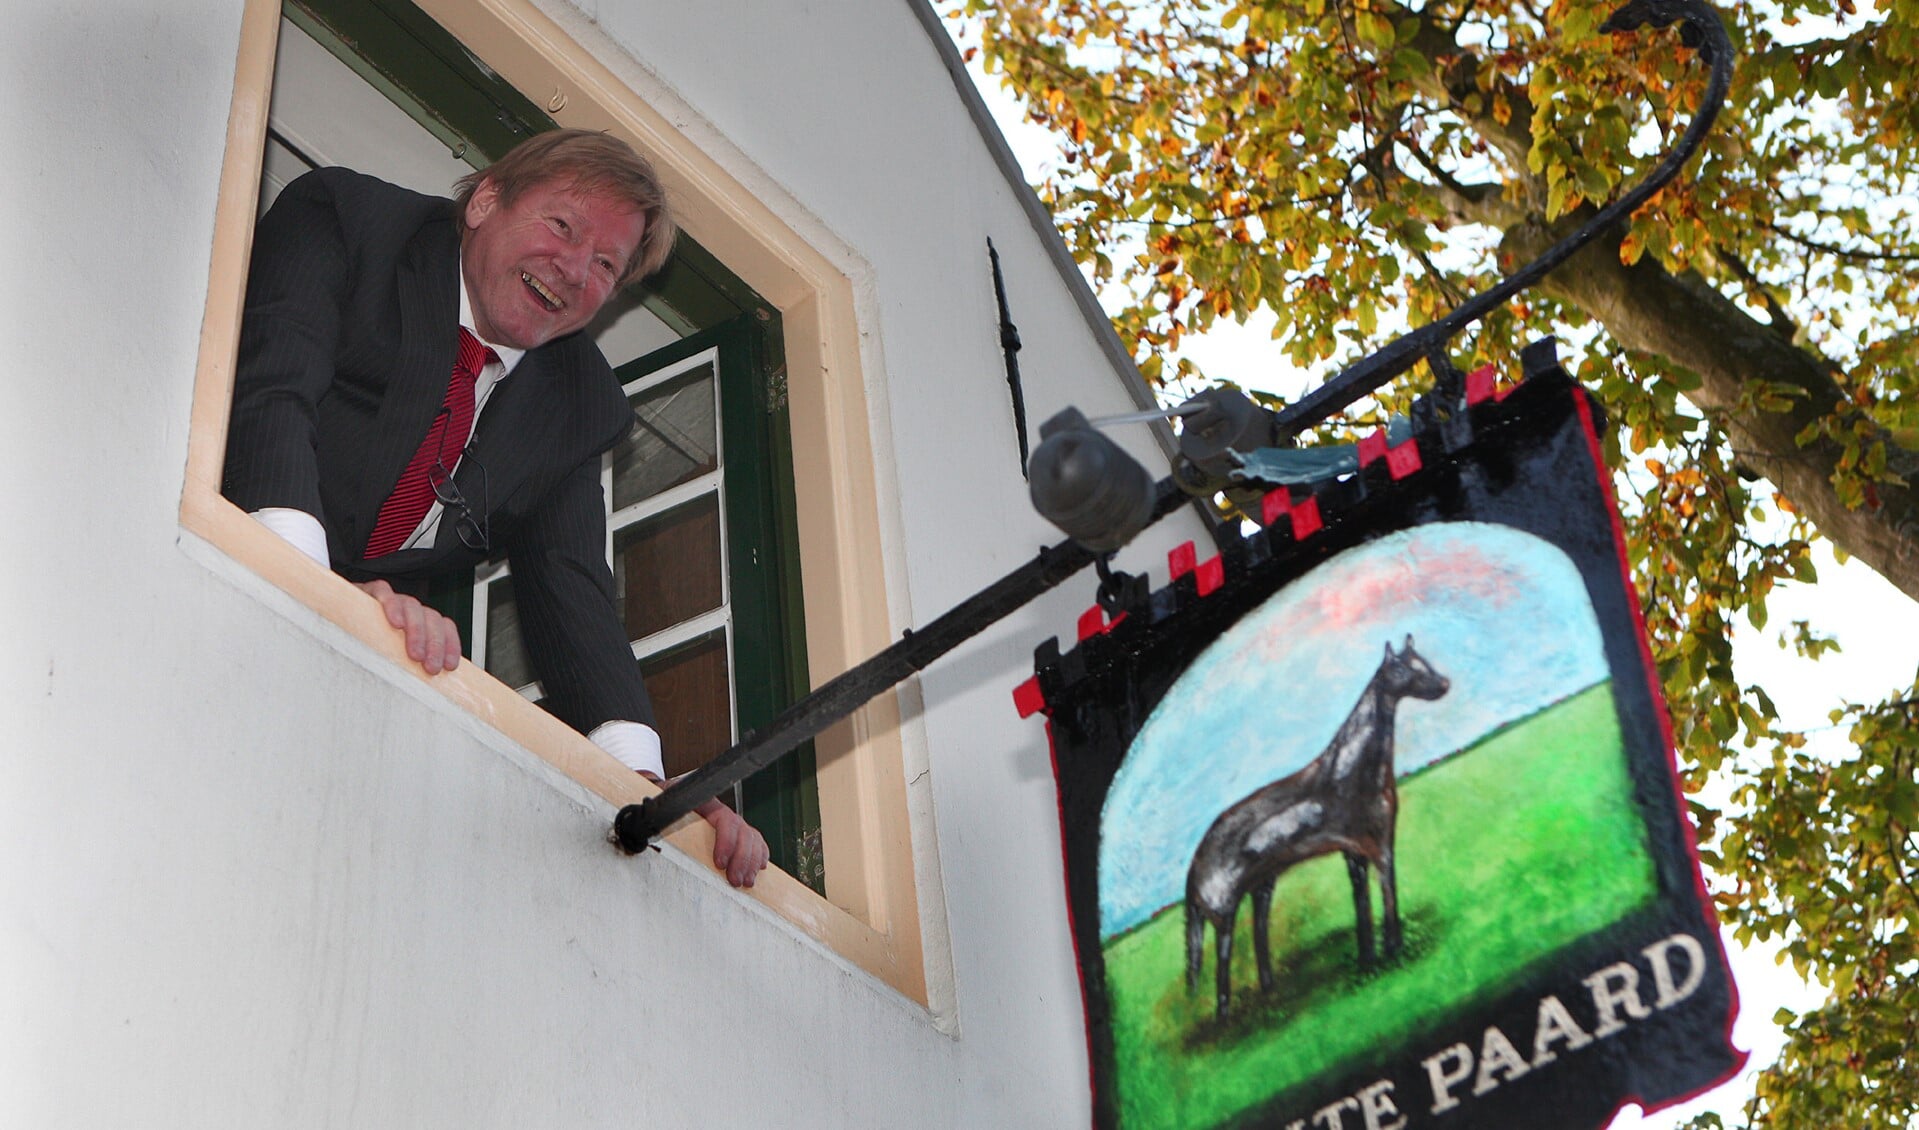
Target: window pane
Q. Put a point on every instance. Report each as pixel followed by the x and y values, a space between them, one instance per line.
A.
pixel 666 569
pixel 688 685
pixel 675 440
pixel 505 651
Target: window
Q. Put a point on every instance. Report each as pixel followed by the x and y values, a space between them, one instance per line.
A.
pixel 790 305
pixel 702 544
pixel 670 514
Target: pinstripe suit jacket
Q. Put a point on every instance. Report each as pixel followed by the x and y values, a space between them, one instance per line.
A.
pixel 351 322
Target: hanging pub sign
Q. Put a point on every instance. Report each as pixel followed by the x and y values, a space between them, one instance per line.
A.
pixel 1371 820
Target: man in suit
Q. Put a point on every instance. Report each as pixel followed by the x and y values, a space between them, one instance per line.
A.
pixel 350 439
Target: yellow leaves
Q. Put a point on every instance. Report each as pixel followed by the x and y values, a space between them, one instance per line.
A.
pixel 1560 198
pixel 1785 504
pixel 1631 248
pixel 1502 108
pixel 1594 183
pixel 1687 478
pixel 1577 21
pixel 1374 30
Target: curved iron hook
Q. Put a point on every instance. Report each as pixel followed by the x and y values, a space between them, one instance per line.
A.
pixel 1700 29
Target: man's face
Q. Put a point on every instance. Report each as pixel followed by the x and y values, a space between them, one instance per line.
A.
pixel 542 266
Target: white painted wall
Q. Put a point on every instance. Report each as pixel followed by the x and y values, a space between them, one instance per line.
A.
pixel 251 876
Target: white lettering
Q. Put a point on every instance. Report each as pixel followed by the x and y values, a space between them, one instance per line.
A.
pixel 1496 1054
pixel 1330 1116
pixel 1607 1000
pixel 1659 954
pixel 1555 1023
pixel 1376 1105
pixel 1444 1081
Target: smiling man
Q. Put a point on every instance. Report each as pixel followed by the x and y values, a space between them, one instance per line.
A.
pixel 413 397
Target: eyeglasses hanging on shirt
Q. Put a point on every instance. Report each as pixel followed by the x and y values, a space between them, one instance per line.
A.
pixel 470 523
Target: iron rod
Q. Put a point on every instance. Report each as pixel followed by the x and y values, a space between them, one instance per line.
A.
pixel 637 824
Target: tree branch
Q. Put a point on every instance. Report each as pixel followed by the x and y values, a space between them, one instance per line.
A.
pixel 1832 249
pixel 1451 83
pixel 1782 322
pixel 1470 203
pixel 1692 326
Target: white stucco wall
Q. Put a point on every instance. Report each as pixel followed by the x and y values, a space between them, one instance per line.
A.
pixel 250 875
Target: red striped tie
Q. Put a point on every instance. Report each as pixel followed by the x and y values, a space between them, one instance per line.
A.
pixel 412 496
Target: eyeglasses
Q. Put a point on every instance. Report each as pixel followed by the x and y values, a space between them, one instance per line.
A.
pixel 470 522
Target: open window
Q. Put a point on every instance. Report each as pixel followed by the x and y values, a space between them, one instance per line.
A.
pixel 750 470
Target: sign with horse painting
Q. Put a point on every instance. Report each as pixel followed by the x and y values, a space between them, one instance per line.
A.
pixel 1371 821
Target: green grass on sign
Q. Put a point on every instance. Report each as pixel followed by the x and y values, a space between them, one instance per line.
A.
pixel 1525 842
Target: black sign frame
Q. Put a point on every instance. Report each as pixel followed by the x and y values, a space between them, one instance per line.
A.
pixel 1528 458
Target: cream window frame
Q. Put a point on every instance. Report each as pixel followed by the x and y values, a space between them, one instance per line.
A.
pixel 871 914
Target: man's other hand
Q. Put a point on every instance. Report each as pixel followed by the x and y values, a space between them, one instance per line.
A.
pixel 432 640
pixel 738 848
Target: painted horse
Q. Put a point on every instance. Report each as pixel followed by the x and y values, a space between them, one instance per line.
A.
pixel 1344 800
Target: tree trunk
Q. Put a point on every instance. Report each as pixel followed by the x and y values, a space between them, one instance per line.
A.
pixel 1648 309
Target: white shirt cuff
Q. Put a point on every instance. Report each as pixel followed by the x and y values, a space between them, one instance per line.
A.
pixel 636 746
pixel 297 528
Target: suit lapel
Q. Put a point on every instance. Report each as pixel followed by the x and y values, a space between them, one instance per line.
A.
pixel 427 288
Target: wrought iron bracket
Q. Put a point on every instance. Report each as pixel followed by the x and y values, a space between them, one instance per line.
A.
pixel 636 825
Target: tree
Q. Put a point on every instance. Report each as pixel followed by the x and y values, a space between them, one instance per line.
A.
pixel 1349 166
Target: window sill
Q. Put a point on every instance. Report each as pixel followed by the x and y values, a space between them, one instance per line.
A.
pixel 238 537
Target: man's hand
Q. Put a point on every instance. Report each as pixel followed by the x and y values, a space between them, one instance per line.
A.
pixel 738 848
pixel 432 640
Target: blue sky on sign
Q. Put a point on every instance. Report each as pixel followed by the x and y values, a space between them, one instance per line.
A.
pixel 1503 614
